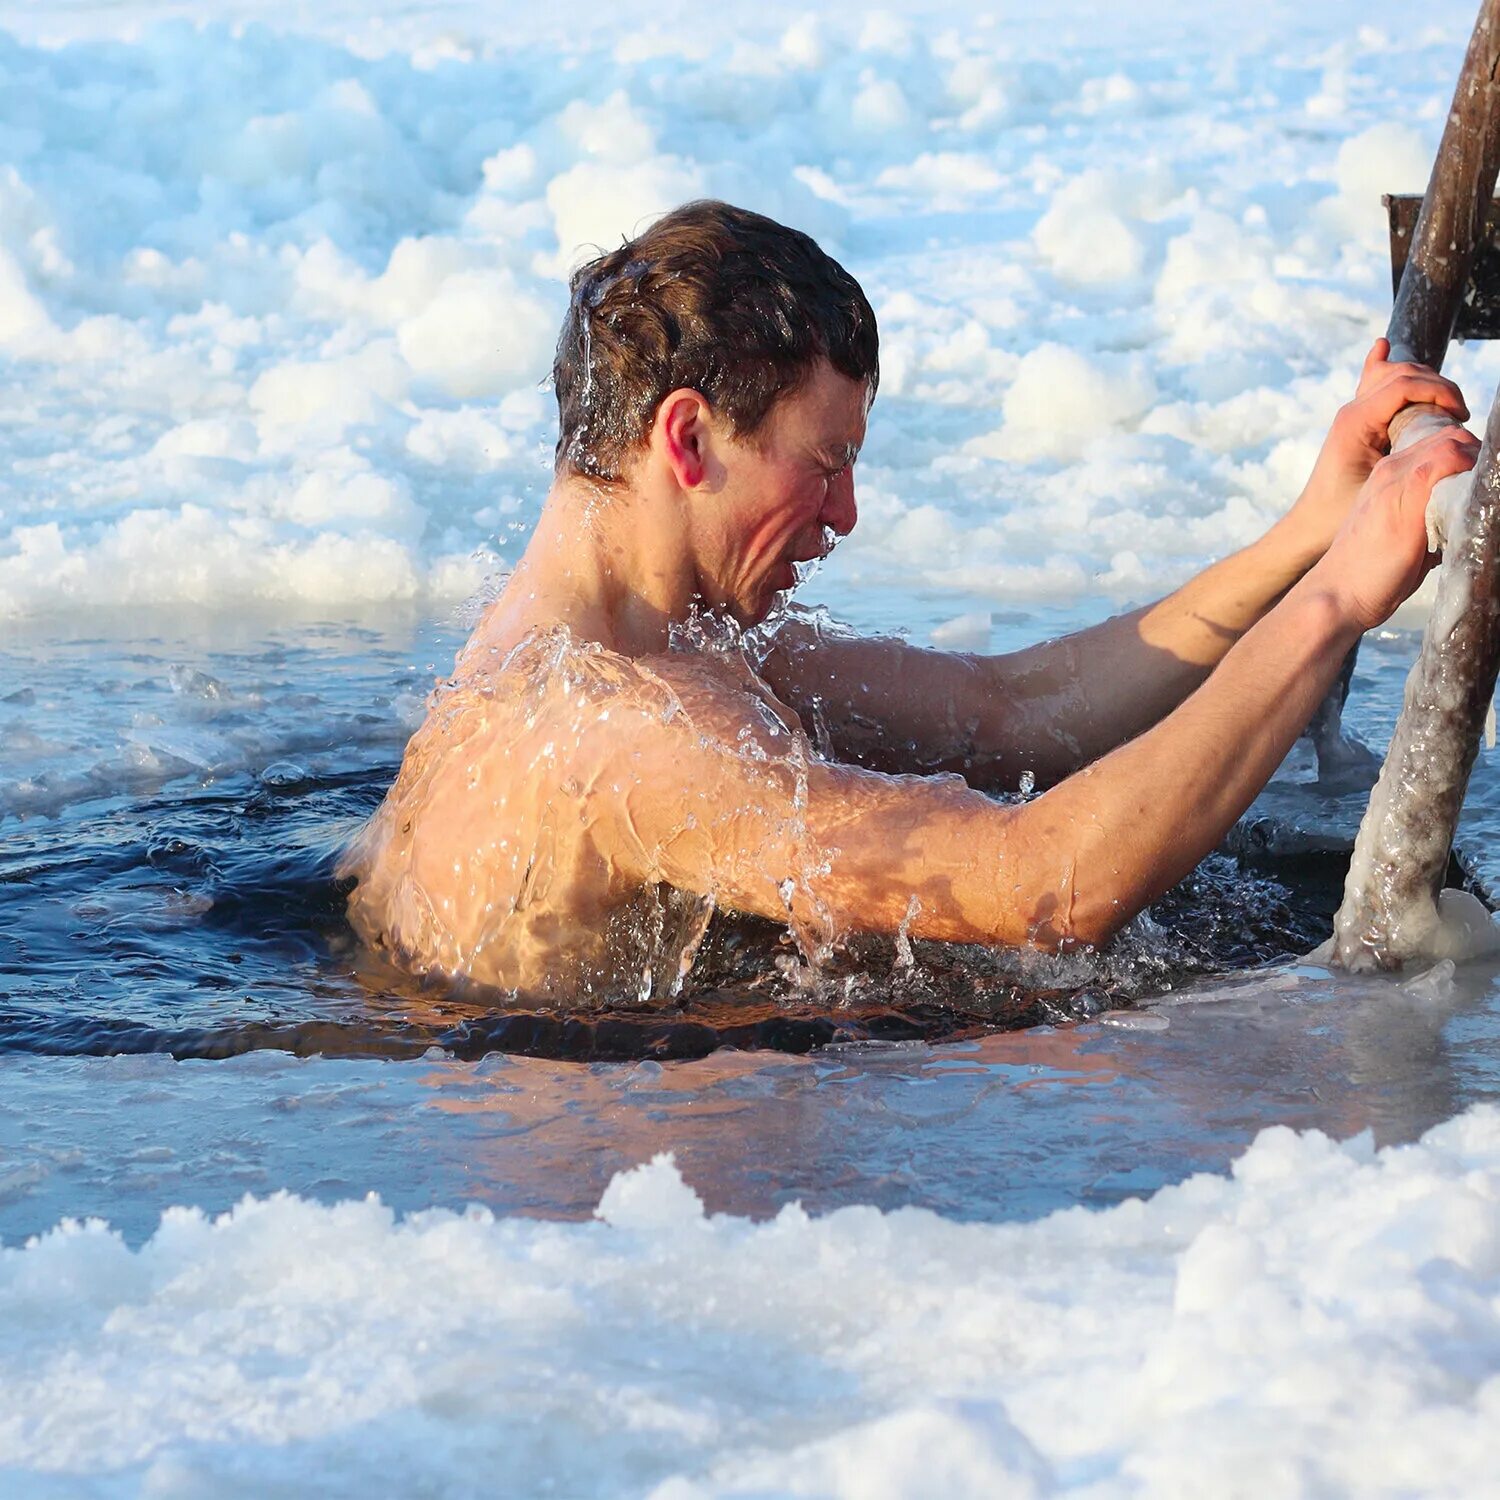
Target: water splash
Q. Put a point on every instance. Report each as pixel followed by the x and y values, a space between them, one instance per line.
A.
pixel 488 871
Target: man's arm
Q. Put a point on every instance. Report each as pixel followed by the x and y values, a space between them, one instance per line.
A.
pixel 715 796
pixel 1048 710
pixel 1053 708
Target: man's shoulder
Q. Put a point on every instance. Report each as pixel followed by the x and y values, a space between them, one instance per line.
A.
pixel 582 697
pixel 700 702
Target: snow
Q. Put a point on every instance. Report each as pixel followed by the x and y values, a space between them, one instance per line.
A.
pixel 260 360
pixel 1060 402
pixel 1326 1318
pixel 1086 234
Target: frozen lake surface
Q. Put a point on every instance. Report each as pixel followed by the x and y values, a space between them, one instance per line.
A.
pixel 276 301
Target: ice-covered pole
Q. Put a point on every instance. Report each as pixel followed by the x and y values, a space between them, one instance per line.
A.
pixel 1389 913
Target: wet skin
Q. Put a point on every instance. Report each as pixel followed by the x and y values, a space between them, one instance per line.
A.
pixel 607 764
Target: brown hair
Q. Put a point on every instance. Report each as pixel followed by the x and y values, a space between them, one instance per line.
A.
pixel 712 298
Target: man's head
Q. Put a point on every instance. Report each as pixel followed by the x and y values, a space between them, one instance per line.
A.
pixel 712 299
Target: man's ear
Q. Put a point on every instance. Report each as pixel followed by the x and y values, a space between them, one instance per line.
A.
pixel 683 436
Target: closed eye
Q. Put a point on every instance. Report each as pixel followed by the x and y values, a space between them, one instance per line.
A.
pixel 835 461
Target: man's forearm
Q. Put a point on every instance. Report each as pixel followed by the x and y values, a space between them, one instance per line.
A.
pixel 1063 704
pixel 1046 711
pixel 1075 864
pixel 1199 622
pixel 838 848
pixel 1139 820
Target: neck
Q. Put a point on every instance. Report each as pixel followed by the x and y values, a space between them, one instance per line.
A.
pixel 615 565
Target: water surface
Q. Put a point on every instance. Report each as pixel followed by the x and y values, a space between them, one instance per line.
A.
pixel 172 805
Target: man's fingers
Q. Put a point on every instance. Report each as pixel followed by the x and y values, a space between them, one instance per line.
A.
pixel 1451 451
pixel 1455 442
pixel 1405 382
pixel 1445 453
pixel 1414 385
pixel 1459 455
pixel 1380 352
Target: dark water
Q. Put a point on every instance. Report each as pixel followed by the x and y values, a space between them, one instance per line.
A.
pixel 206 922
pixel 172 809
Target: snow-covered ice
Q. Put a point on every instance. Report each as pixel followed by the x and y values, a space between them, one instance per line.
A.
pixel 278 293
pixel 1324 1320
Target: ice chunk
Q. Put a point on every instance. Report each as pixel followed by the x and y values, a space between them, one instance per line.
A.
pixel 652 1197
pixel 1061 400
pixel 1084 236
pixel 480 336
pixel 970 632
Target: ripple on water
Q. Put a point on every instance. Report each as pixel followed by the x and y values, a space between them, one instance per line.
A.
pixel 194 910
pixel 207 922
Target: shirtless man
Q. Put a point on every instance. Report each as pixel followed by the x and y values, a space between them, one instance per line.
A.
pixel 612 759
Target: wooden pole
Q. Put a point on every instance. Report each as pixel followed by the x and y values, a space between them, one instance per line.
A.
pixel 1389 913
pixel 1454 207
pixel 1447 235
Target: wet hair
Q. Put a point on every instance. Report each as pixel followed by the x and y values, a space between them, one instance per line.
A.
pixel 711 298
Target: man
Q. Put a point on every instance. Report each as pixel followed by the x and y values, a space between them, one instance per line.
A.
pixel 611 761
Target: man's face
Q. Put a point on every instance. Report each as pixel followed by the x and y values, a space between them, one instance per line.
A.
pixel 789 492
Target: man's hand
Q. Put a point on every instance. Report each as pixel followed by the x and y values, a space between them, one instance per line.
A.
pixel 1360 437
pixel 1380 553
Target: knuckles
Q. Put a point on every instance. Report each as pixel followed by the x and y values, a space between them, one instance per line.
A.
pixel 1460 454
pixel 1412 380
pixel 1432 459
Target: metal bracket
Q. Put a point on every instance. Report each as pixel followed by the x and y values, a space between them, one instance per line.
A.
pixel 1479 313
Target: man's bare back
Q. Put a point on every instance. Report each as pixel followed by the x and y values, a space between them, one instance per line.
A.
pixel 514 851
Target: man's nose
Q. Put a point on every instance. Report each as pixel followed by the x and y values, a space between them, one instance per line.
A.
pixel 839 509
